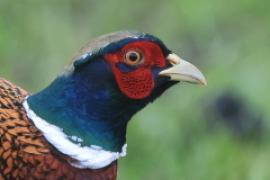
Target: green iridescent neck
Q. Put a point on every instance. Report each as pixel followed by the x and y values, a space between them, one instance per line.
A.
pixel 95 113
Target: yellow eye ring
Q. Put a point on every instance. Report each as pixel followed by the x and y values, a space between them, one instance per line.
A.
pixel 133 57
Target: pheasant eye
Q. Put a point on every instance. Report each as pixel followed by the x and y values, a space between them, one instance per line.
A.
pixel 133 57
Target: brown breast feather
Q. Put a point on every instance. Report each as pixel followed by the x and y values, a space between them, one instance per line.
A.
pixel 25 154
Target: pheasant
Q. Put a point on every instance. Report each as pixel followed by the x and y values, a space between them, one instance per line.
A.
pixel 75 128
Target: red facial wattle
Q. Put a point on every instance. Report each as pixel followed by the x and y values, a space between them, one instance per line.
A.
pixel 139 82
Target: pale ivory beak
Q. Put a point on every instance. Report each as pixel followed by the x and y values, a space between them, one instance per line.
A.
pixel 183 71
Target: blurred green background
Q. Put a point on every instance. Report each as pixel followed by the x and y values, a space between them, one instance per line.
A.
pixel 172 138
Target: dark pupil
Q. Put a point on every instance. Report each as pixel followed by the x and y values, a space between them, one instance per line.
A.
pixel 133 56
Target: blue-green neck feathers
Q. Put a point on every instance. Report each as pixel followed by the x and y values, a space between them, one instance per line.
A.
pixel 87 104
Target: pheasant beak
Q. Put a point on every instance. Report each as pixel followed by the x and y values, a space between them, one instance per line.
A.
pixel 182 70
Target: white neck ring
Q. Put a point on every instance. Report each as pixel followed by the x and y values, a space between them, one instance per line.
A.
pixel 92 157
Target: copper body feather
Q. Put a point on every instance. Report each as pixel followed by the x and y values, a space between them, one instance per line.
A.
pixel 25 154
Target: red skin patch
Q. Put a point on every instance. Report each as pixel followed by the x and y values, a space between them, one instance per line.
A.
pixel 138 83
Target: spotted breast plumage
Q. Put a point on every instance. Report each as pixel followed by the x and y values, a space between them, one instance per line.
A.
pixel 75 128
pixel 24 153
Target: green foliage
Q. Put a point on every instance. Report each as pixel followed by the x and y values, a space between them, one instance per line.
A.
pixel 228 40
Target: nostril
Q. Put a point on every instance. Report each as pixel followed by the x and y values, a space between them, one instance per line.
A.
pixel 172 62
pixel 173 59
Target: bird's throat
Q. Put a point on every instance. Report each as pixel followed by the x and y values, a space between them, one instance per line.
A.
pixel 93 157
pixel 88 116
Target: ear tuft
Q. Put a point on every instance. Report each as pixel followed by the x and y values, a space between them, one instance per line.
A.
pixel 82 60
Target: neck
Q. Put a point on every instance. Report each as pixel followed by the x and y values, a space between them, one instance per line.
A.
pixel 85 157
pixel 91 113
